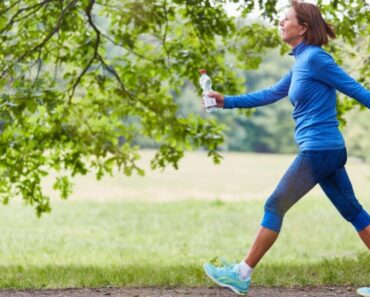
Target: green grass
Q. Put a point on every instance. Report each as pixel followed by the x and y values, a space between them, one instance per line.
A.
pixel 240 176
pixel 136 243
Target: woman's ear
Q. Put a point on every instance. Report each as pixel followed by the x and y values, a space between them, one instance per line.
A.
pixel 303 30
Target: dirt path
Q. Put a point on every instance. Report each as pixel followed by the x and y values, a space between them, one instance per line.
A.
pixel 185 291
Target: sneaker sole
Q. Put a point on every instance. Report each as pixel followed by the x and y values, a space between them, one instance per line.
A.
pixel 223 285
pixel 362 294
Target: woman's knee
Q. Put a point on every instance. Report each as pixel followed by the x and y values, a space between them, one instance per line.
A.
pixel 360 221
pixel 274 213
pixel 277 204
pixel 272 221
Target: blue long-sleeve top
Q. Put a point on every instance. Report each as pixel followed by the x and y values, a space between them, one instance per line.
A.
pixel 311 86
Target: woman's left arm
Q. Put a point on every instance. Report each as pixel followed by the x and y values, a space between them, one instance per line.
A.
pixel 326 70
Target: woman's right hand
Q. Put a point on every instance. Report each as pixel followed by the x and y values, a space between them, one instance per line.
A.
pixel 218 97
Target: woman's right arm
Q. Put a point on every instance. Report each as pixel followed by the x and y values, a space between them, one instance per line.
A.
pixel 255 99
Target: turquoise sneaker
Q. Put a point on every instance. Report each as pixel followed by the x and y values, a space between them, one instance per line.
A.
pixel 228 276
pixel 365 292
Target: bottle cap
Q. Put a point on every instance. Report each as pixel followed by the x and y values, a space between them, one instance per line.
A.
pixel 202 71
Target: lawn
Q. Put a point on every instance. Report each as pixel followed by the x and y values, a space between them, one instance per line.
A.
pixel 151 241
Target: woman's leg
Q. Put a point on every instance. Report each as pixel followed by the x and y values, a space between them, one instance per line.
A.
pixel 263 242
pixel 365 236
pixel 299 179
pixel 309 168
pixel 339 190
pixel 306 170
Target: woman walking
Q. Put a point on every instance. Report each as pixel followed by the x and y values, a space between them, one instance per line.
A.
pixel 311 86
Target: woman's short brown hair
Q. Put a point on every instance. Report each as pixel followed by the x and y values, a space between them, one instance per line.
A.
pixel 309 15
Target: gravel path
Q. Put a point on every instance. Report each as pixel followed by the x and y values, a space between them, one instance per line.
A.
pixel 185 291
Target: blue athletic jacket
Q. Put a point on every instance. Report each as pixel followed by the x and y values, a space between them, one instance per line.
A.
pixel 311 86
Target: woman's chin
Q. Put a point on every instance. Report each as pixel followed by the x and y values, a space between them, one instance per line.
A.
pixel 284 39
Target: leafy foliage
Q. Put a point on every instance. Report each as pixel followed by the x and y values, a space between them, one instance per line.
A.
pixel 81 79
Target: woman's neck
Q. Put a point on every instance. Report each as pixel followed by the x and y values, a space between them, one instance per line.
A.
pixel 295 42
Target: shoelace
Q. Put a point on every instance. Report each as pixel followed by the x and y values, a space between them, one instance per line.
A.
pixel 225 267
pixel 224 262
pixel 228 266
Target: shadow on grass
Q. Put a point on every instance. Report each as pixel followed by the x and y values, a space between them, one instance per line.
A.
pixel 337 271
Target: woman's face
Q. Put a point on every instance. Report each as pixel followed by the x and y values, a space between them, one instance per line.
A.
pixel 291 31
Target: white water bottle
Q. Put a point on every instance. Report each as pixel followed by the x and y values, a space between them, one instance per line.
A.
pixel 206 85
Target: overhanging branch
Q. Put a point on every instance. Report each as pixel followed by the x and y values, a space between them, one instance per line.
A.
pixel 47 38
pixel 14 19
pixel 96 56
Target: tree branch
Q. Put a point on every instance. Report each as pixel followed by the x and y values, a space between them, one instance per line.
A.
pixel 105 35
pixel 13 20
pixel 39 66
pixel 57 61
pixel 55 30
pixel 115 74
pixel 165 32
pixel 128 49
pixel 96 55
pixel 47 38
pixel 96 48
pixel 77 82
pixel 10 7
